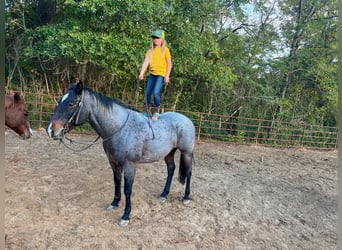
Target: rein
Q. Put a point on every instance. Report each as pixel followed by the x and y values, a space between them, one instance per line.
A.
pixel 109 137
pixel 149 115
pixel 89 144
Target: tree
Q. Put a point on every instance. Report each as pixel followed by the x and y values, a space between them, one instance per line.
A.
pixel 309 71
pixel 261 59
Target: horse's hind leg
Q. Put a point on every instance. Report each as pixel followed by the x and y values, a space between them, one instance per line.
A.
pixel 185 171
pixel 170 163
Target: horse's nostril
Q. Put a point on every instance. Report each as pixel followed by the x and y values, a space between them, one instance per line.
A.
pixel 57 134
pixel 56 130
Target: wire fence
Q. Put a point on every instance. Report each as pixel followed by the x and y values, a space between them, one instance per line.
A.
pixel 217 127
pixel 263 132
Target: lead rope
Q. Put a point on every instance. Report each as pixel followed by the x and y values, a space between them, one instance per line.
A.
pixel 149 114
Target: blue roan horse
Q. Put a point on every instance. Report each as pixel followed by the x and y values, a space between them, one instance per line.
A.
pixel 128 138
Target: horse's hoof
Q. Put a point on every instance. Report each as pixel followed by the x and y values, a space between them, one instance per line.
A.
pixel 186 202
pixel 162 199
pixel 123 223
pixel 110 208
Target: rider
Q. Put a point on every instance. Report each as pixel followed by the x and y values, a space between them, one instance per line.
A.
pixel 158 58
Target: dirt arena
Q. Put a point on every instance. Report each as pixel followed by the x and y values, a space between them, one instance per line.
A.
pixel 243 197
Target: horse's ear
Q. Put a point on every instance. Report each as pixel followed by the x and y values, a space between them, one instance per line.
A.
pixel 79 87
pixel 16 97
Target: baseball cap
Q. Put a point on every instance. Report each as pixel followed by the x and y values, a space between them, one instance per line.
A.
pixel 158 33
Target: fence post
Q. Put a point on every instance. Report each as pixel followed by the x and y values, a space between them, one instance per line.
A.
pixel 257 135
pixel 302 139
pixel 41 101
pixel 199 127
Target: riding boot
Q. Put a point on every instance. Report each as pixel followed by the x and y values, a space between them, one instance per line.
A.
pixel 156 113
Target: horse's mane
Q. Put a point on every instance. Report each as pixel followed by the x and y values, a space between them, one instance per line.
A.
pixel 108 101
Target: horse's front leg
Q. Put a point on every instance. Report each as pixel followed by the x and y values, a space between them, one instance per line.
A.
pixel 129 174
pixel 117 173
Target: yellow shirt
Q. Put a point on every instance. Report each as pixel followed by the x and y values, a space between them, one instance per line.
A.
pixel 158 64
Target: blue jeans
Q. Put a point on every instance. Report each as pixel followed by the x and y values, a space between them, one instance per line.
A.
pixel 154 86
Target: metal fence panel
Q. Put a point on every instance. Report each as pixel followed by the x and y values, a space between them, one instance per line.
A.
pixel 217 127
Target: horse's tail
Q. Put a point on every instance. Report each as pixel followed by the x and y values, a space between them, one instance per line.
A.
pixel 185 167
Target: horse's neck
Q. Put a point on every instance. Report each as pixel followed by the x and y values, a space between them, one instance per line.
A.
pixel 107 119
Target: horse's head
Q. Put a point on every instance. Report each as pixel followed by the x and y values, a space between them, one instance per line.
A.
pixel 67 113
pixel 16 115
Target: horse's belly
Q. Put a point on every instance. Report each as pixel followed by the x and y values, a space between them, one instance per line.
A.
pixel 155 151
pixel 144 152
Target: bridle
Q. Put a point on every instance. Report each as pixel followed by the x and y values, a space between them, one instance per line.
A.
pixel 76 114
pixel 72 119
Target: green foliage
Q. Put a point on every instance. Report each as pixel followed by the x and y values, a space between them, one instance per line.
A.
pixel 240 58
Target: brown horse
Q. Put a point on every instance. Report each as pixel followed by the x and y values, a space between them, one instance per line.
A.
pixel 16 115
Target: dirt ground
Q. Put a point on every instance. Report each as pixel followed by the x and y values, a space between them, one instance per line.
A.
pixel 243 197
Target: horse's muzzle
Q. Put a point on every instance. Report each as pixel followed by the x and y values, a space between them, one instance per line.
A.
pixel 55 133
pixel 26 135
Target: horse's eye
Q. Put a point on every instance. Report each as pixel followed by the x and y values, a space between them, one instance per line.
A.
pixel 72 104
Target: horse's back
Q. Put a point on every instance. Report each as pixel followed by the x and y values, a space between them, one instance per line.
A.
pixel 184 127
pixel 179 121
